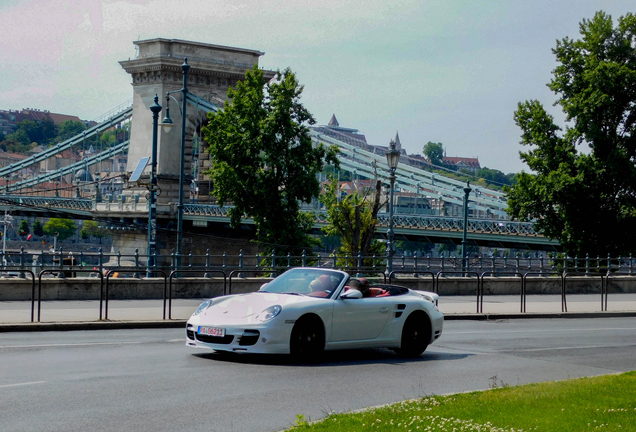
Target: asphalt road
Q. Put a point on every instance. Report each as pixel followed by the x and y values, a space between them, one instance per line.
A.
pixel 147 380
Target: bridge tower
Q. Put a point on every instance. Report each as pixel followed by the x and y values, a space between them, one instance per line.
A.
pixel 157 70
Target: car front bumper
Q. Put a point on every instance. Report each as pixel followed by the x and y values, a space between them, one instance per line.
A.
pixel 249 338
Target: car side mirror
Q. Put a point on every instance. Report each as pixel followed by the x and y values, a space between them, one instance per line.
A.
pixel 351 294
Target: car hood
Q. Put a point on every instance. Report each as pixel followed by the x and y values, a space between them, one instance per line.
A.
pixel 250 305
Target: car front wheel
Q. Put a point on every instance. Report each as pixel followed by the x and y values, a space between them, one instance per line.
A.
pixel 307 338
pixel 416 335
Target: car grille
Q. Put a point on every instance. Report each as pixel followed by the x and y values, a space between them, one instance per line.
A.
pixel 249 337
pixel 225 340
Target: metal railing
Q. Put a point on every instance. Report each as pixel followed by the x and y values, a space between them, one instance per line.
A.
pixel 68 264
pixel 208 262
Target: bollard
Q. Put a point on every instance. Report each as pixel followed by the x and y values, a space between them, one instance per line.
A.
pixel 207 264
pixel 241 275
pixel 136 274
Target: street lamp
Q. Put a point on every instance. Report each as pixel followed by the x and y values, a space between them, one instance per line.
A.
pixel 152 205
pixel 167 124
pixel 467 191
pixel 392 158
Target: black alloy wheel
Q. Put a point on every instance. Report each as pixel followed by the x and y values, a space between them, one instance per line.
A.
pixel 416 334
pixel 307 338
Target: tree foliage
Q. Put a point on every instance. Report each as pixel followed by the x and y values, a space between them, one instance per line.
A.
pixel 38 230
pixel 24 228
pixel 64 227
pixel 69 129
pixel 586 200
pixel 434 153
pixel 353 218
pixel 493 176
pixel 91 229
pixel 263 160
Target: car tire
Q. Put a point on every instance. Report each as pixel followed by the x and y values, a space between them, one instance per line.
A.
pixel 307 338
pixel 416 335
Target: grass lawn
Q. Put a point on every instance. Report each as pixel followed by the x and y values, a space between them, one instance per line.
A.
pixel 605 403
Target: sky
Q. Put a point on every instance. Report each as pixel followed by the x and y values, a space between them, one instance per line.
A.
pixel 444 71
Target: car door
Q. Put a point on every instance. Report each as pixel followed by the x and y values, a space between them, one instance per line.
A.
pixel 359 319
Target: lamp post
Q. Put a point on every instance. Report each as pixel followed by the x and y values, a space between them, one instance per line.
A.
pixel 152 205
pixel 392 158
pixel 467 191
pixel 167 123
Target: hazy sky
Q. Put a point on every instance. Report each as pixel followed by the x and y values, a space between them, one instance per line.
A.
pixel 444 71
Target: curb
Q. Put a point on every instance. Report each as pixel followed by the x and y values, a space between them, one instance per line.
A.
pixel 537 315
pixel 90 325
pixel 129 325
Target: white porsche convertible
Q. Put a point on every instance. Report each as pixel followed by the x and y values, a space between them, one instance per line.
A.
pixel 307 310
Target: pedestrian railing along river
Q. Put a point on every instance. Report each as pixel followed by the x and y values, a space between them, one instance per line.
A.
pixel 539 263
pixel 557 269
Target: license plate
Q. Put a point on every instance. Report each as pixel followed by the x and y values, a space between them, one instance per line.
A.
pixel 211 331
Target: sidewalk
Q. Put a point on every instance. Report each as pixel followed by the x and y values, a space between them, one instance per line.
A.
pixel 81 315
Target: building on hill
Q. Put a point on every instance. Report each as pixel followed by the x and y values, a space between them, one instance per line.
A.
pixel 346 135
pixel 458 163
pixel 9 119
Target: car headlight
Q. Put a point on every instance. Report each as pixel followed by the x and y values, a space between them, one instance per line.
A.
pixel 270 313
pixel 203 306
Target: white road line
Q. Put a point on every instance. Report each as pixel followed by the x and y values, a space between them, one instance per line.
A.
pixel 571 348
pixel 86 344
pixel 535 331
pixel 22 384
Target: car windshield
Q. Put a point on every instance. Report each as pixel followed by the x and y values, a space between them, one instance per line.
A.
pixel 304 281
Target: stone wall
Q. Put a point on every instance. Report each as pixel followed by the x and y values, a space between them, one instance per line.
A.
pixel 15 289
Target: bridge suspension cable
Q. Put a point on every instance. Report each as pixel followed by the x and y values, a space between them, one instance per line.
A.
pixel 53 175
pixel 58 148
pixel 409 178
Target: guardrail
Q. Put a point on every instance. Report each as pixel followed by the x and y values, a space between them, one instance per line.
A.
pixel 411 263
pixel 50 271
pixel 229 272
pixel 135 272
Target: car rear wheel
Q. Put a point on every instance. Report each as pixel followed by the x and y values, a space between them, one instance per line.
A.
pixel 416 335
pixel 307 338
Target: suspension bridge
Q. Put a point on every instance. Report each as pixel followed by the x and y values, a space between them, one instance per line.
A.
pixel 428 205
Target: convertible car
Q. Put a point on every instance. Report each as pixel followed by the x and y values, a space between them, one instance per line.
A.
pixel 307 310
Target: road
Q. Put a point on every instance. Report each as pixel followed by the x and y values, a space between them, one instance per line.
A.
pixel 147 380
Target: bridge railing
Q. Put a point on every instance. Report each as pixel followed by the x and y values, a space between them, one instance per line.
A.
pixel 66 262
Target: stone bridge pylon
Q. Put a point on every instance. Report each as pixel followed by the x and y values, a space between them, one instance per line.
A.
pixel 156 70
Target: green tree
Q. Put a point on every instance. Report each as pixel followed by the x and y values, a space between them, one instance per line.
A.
pixel 38 230
pixel 24 228
pixel 434 153
pixel 64 227
pixel 48 131
pixel 19 137
pixel 91 229
pixel 107 139
pixel 414 246
pixel 586 200
pixel 32 130
pixel 447 247
pixel 263 160
pixel 69 129
pixel 354 218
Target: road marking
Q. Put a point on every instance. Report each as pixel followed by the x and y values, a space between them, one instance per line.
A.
pixel 535 331
pixel 22 384
pixel 571 348
pixel 87 344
